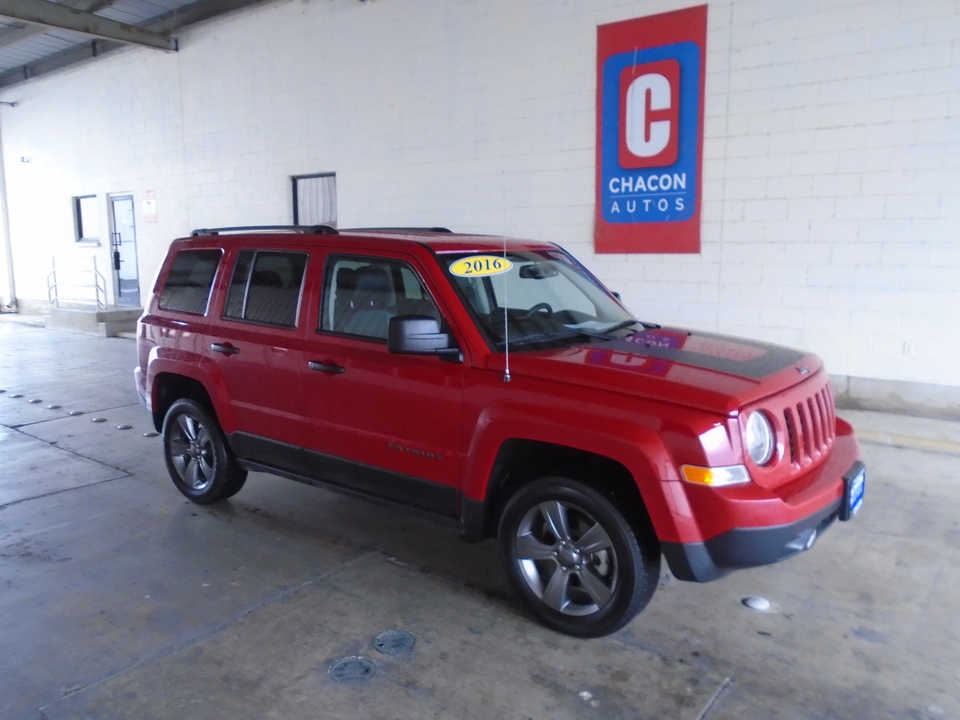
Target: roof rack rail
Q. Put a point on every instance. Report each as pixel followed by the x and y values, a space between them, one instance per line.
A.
pixel 401 229
pixel 306 229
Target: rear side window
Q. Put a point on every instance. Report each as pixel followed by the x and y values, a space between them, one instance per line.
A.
pixel 265 287
pixel 188 285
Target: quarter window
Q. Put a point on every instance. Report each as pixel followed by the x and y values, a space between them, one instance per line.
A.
pixel 188 285
pixel 360 295
pixel 266 287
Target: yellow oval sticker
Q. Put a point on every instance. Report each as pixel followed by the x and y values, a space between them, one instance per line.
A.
pixel 480 266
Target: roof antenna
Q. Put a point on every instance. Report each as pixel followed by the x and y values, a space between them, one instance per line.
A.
pixel 506 321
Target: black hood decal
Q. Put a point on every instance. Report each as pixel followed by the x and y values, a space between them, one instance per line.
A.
pixel 757 359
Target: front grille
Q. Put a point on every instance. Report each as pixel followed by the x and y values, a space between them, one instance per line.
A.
pixel 811 427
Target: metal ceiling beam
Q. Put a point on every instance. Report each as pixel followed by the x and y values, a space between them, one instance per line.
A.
pixel 53 15
pixel 166 23
pixel 10 35
pixel 197 12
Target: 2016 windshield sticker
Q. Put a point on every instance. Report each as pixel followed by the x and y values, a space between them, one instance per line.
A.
pixel 480 266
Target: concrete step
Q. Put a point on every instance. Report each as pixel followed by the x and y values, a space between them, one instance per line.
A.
pixel 106 322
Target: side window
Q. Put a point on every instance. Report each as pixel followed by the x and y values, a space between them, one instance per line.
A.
pixel 265 287
pixel 188 285
pixel 360 295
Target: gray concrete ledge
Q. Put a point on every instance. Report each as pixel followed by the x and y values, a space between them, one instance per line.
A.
pixel 905 431
pixel 106 322
pixel 33 307
pixel 897 396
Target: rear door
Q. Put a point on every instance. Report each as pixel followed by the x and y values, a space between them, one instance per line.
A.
pixel 257 346
pixel 382 423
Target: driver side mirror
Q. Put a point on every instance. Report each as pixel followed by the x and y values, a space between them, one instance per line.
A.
pixel 420 335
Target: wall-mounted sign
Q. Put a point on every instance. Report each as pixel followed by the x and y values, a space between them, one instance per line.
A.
pixel 149 206
pixel 650 77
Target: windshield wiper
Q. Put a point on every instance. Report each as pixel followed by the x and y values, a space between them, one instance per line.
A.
pixel 628 323
pixel 621 326
pixel 547 337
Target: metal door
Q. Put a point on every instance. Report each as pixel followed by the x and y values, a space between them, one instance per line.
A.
pixel 123 242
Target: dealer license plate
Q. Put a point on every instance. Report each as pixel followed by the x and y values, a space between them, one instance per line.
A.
pixel 853 494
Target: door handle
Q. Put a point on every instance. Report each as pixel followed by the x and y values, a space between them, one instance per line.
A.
pixel 225 348
pixel 326 367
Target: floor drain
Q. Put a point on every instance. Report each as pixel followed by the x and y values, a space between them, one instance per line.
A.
pixel 352 670
pixel 393 642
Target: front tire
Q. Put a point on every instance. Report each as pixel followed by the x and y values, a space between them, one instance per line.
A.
pixel 199 461
pixel 574 559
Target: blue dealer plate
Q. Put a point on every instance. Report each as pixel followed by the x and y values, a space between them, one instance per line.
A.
pixel 853 491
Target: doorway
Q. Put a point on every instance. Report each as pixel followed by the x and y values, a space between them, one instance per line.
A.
pixel 123 241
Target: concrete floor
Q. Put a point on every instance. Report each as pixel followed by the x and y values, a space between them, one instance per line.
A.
pixel 119 599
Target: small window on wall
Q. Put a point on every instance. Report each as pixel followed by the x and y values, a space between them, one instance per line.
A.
pixel 86 218
pixel 315 199
pixel 188 285
pixel 265 287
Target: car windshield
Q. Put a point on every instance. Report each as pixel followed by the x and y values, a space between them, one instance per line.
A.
pixel 533 298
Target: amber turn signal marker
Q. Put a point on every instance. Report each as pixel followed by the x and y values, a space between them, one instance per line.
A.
pixel 715 477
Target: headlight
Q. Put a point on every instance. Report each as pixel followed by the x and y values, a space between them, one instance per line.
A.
pixel 760 441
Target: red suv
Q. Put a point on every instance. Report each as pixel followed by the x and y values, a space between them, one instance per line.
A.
pixel 500 386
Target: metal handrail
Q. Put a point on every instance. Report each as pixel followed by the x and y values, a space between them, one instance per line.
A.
pixel 96 282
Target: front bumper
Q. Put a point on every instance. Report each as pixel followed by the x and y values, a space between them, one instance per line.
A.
pixel 753 546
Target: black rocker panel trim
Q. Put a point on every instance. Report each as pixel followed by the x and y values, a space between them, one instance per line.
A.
pixel 334 473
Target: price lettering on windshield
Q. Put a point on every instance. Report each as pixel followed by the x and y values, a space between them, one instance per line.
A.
pixel 480 266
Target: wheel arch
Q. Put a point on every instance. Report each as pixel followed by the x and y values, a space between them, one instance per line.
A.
pixel 168 387
pixel 521 460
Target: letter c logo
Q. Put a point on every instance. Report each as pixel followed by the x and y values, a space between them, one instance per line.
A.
pixel 649 114
pixel 646 138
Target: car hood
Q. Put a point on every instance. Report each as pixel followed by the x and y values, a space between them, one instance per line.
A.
pixel 703 370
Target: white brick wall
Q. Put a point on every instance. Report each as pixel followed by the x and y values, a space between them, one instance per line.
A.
pixel 831 204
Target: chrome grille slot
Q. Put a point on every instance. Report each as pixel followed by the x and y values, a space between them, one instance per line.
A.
pixel 804 429
pixel 815 423
pixel 791 425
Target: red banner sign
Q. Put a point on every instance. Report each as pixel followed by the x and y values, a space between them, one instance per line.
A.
pixel 650 78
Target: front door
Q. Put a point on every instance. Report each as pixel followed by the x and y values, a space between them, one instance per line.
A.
pixel 124 249
pixel 383 423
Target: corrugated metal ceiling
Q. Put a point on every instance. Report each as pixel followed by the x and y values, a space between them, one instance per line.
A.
pixel 28 50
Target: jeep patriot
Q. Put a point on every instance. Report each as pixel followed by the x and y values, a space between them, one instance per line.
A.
pixel 498 385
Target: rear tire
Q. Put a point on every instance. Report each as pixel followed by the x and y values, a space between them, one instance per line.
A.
pixel 574 559
pixel 199 461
